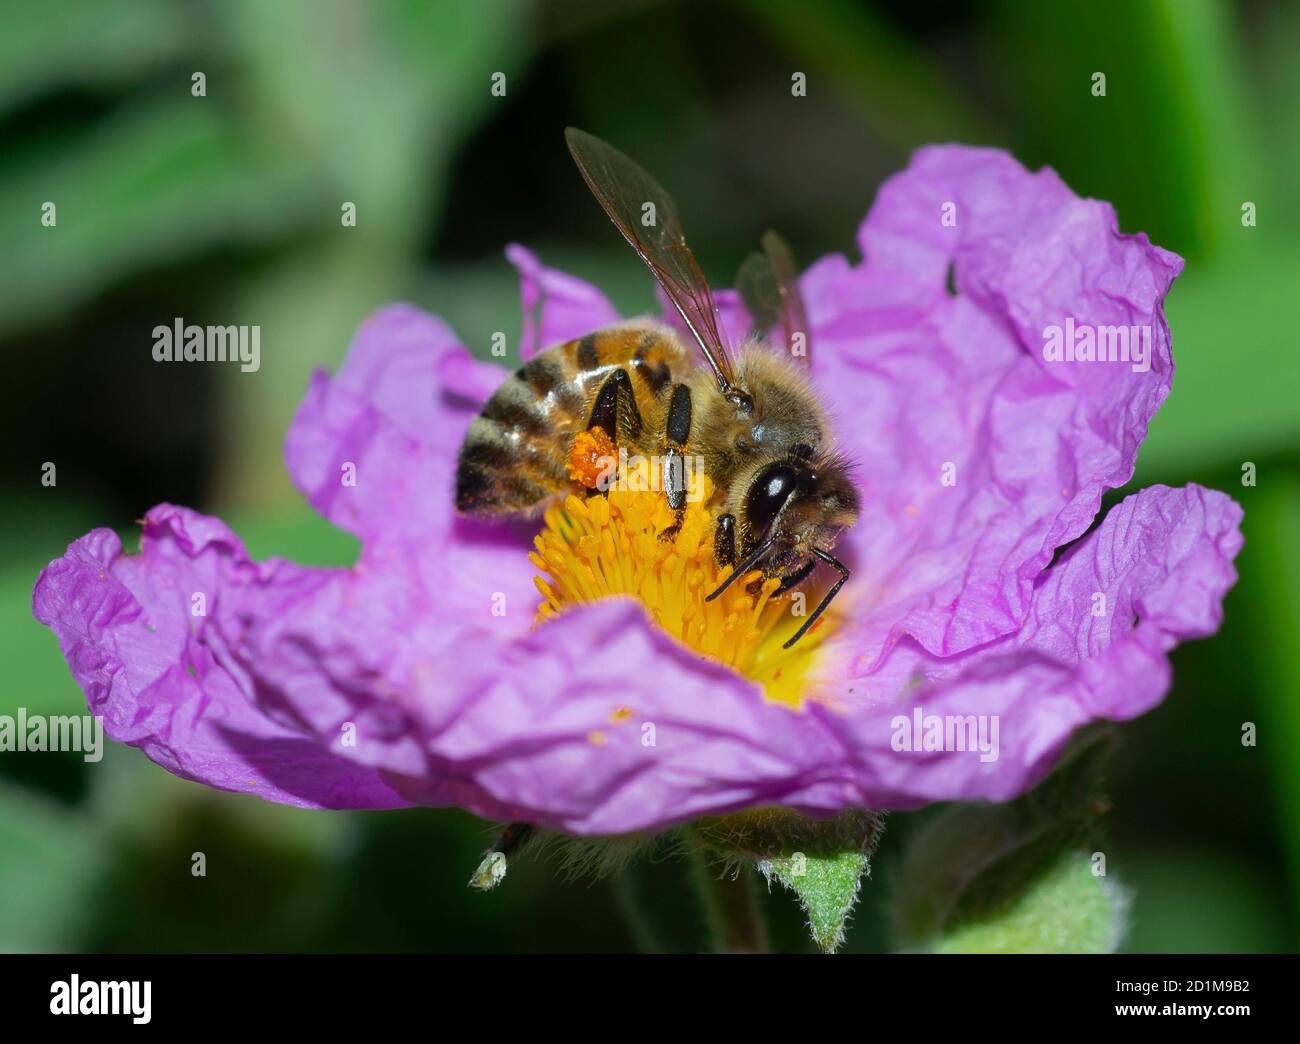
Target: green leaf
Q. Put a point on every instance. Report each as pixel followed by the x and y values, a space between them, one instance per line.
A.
pixel 859 54
pixel 1270 602
pixel 378 98
pixel 1175 93
pixel 1231 323
pixel 157 182
pixel 378 104
pixel 1235 899
pixel 46 45
pixel 49 858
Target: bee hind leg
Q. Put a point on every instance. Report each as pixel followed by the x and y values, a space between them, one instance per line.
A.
pixel 676 431
pixel 615 412
pixel 615 407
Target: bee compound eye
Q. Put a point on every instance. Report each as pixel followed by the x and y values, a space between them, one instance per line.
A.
pixel 768 493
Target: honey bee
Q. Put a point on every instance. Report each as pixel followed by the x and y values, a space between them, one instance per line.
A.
pixel 782 495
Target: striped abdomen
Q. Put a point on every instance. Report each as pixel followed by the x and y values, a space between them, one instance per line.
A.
pixel 515 456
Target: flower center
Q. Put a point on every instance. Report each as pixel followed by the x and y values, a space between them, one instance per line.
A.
pixel 623 543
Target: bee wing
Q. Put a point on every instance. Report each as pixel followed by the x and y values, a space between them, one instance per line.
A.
pixel 776 285
pixel 758 288
pixel 623 190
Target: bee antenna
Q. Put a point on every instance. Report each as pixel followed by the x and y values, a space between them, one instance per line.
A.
pixel 742 569
pixel 831 560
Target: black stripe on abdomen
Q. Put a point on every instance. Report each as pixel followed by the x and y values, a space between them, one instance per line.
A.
pixel 655 374
pixel 588 355
pixel 542 374
pixel 513 409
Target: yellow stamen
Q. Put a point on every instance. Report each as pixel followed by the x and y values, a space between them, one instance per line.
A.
pixel 623 544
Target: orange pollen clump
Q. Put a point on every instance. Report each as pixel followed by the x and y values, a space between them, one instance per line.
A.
pixel 593 451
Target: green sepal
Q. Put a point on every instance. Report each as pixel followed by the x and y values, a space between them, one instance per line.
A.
pixel 822 861
pixel 827 888
pixel 1066 909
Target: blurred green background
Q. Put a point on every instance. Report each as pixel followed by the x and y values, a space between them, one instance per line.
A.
pixel 225 209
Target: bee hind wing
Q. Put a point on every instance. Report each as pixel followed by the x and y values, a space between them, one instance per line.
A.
pixel 784 296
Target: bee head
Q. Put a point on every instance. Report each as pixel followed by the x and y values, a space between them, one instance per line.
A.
pixel 800 502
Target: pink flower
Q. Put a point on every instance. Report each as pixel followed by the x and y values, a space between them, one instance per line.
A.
pixel 979 590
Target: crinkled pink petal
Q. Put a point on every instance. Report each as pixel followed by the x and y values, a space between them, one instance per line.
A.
pixel 976 457
pixel 461 376
pixel 374 449
pixel 557 307
pixel 1094 646
pixel 168 681
pixel 600 723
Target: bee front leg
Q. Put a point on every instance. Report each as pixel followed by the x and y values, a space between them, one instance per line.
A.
pixel 796 577
pixel 843 570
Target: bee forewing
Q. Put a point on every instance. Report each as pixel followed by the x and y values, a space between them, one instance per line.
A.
pixel 646 216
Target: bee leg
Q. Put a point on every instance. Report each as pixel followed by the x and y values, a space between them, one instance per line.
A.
pixel 615 407
pixel 677 431
pixel 796 577
pixel 743 569
pixel 675 480
pixel 831 560
pixel 675 488
pixel 724 541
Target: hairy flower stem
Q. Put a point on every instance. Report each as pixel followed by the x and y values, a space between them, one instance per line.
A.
pixel 729 895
